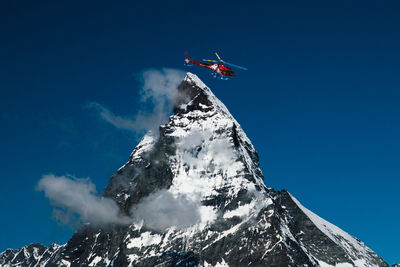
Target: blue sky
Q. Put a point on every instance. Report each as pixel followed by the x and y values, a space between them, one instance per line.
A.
pixel 320 100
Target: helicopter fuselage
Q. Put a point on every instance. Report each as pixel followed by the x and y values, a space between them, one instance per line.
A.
pixel 218 68
pixel 221 69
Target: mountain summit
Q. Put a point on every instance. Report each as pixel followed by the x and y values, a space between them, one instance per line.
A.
pixel 196 197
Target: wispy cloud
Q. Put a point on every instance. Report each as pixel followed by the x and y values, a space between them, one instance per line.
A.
pixel 139 123
pixel 76 201
pixel 158 92
pixel 162 210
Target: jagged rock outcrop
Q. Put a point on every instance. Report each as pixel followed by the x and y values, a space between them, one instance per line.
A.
pixel 29 255
pixel 203 159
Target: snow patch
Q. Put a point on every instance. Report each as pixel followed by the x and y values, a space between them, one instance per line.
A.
pixel 357 250
pixel 65 263
pixel 96 260
pixel 145 145
pixel 240 211
pixel 218 264
pixel 146 239
pixel 345 264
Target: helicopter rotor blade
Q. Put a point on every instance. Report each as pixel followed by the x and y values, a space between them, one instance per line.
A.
pixel 218 56
pixel 210 60
pixel 233 65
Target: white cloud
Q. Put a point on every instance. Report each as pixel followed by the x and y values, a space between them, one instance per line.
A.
pixel 158 91
pixel 162 210
pixel 201 150
pixel 140 123
pixel 77 199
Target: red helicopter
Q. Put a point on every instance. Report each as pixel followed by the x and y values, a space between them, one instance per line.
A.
pixel 218 67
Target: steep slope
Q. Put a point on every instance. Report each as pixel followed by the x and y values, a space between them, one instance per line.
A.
pixel 196 196
pixel 31 255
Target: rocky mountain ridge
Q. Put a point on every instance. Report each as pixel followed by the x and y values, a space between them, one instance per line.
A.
pixel 197 197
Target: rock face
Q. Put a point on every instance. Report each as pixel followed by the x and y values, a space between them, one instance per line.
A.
pixel 29 255
pixel 203 160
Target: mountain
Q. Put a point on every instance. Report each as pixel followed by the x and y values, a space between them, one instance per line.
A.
pixel 29 255
pixel 197 197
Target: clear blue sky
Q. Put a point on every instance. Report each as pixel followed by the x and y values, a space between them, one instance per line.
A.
pixel 320 100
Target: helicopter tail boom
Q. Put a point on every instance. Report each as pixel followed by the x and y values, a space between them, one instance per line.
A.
pixel 189 61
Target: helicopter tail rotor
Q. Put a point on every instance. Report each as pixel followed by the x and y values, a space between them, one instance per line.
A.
pixel 187 60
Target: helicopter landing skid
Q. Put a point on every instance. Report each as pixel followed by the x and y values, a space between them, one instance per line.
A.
pixel 222 77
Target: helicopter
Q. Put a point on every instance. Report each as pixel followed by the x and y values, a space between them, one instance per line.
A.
pixel 218 67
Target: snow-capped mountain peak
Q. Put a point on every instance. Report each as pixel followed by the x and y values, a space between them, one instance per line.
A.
pixel 197 197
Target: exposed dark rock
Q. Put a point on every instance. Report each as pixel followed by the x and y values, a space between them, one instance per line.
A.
pixel 203 154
